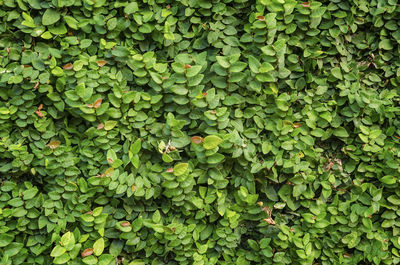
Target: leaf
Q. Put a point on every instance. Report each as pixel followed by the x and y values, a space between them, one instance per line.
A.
pixel 340 132
pixel 194 70
pixel 336 72
pixel 58 251
pixel 68 66
pixel 167 158
pixel 53 144
pixel 64 258
pixel 97 103
pixel 375 134
pixel 98 247
pixel 223 61
pixel 254 64
pixel 87 252
pixel 50 17
pixel 109 125
pixel 237 67
pixel 211 142
pixel 386 44
pixel 135 160
pixel 215 158
pixel 156 218
pixel 131 8
pixel 196 139
pixel 198 202
pixel 261 18
pixel 67 238
pixel 101 63
pixel 180 169
pixel 5 239
pixel 136 146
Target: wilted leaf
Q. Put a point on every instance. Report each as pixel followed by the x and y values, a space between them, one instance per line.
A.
pixel 53 144
pixel 68 66
pixel 101 63
pixel 196 139
pixel 87 252
pixel 97 103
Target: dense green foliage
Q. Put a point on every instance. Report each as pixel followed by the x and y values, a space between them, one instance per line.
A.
pixel 199 132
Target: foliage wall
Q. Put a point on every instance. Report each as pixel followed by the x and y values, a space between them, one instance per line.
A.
pixel 199 132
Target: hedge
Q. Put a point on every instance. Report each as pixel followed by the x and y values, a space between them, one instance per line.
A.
pixel 199 132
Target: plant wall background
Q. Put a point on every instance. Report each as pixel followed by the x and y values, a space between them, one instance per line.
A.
pixel 199 132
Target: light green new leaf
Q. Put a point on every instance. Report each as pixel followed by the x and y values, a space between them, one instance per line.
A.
pixel 98 247
pixel 58 251
pixel 211 141
pixel 180 169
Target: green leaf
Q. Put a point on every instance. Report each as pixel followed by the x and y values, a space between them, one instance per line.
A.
pixel 375 134
pixel 156 217
pixel 211 142
pixel 109 125
pixel 90 260
pixel 131 8
pixel 67 238
pixel 58 251
pixel 5 239
pixel 223 61
pixel 198 202
pixel 136 146
pixel 194 70
pixel 98 247
pixel 64 258
pixel 180 169
pixel 135 160
pixel 336 72
pixel 386 44
pixel 254 64
pixel 340 132
pixel 215 158
pixel 50 17
pixel 237 67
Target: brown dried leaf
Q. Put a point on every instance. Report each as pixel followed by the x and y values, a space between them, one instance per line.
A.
pixel 100 126
pixel 97 103
pixel 101 63
pixel 261 18
pixel 306 4
pixel 296 125
pixel 53 144
pixel 68 66
pixel 39 113
pixel 170 170
pixel 87 252
pixel 125 224
pixel 196 139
